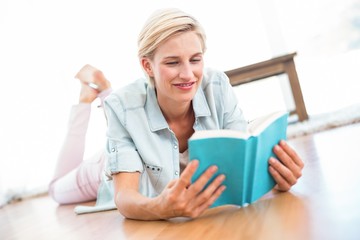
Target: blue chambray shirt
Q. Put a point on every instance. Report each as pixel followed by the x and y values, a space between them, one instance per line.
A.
pixel 139 138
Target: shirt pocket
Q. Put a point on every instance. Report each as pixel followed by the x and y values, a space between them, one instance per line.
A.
pixel 154 173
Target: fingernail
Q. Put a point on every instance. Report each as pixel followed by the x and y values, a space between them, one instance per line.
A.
pixel 276 148
pixel 213 168
pixel 222 177
pixel 195 162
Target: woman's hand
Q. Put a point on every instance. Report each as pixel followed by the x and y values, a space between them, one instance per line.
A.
pixel 288 170
pixel 182 199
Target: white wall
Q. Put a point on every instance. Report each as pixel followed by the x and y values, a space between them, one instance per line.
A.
pixel 43 43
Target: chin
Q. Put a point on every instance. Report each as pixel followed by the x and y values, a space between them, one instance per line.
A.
pixel 186 99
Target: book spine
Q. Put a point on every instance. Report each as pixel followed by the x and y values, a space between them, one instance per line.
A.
pixel 249 168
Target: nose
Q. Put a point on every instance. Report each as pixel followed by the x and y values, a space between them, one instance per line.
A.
pixel 186 72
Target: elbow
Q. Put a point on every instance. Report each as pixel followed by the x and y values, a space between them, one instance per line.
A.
pixel 124 213
pixel 122 207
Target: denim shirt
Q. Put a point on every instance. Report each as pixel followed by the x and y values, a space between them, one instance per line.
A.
pixel 139 138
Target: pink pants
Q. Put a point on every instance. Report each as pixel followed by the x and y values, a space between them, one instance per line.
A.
pixel 77 180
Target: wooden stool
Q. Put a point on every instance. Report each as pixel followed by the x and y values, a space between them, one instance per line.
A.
pixel 275 66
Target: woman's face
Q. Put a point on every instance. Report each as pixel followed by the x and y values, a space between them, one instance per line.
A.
pixel 177 68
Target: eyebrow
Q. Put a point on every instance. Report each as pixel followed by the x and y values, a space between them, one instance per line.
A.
pixel 194 55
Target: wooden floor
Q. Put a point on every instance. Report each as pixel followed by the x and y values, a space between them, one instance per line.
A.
pixel 325 204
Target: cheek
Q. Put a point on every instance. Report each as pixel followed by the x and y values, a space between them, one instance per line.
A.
pixel 166 74
pixel 198 72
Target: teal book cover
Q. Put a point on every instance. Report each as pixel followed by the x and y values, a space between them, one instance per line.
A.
pixel 241 156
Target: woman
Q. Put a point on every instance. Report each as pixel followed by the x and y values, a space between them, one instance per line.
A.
pixel 150 122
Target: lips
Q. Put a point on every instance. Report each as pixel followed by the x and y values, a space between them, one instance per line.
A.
pixel 184 85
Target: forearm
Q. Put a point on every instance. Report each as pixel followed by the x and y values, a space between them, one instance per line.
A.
pixel 131 204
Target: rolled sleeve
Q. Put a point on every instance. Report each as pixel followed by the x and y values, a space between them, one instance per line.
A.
pixel 122 155
pixel 117 164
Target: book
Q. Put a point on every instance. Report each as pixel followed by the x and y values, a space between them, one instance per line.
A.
pixel 241 155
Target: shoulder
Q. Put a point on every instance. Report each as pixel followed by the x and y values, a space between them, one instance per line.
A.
pixel 215 80
pixel 214 77
pixel 132 95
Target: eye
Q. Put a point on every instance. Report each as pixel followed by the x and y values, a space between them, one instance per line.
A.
pixel 172 63
pixel 195 60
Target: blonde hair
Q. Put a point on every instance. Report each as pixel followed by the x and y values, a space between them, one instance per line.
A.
pixel 162 25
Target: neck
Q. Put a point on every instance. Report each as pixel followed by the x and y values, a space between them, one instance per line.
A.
pixel 178 113
pixel 181 122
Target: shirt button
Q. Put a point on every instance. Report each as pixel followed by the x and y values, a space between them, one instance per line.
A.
pixel 175 146
pixel 176 173
pixel 113 149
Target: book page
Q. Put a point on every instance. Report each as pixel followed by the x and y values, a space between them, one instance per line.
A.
pixel 254 128
pixel 258 125
pixel 223 133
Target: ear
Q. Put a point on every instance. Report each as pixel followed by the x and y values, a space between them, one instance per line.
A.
pixel 146 65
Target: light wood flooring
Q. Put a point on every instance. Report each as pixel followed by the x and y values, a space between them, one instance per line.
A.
pixel 325 204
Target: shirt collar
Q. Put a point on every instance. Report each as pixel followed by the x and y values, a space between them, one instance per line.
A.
pixel 200 104
pixel 156 118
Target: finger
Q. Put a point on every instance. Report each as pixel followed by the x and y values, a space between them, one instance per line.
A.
pixel 210 190
pixel 210 201
pixel 184 180
pixel 292 153
pixel 282 170
pixel 215 196
pixel 200 183
pixel 287 160
pixel 171 183
pixel 282 184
